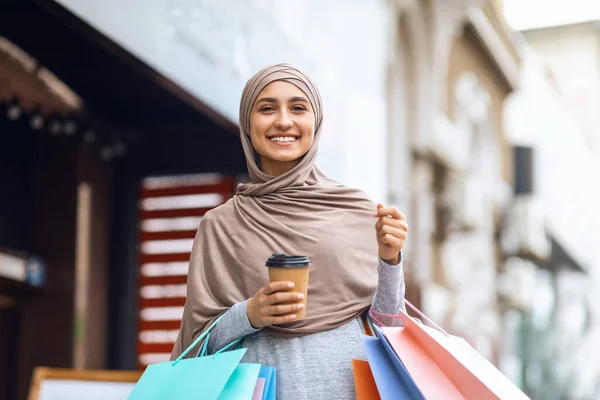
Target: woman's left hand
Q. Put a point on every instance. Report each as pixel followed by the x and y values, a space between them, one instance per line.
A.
pixel 391 229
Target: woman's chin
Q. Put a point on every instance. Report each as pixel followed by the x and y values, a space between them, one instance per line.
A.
pixel 285 157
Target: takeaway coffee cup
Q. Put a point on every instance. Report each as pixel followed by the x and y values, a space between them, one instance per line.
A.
pixel 294 269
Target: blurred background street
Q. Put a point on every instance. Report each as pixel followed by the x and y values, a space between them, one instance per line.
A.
pixel 477 118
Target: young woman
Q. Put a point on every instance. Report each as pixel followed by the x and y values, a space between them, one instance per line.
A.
pixel 291 207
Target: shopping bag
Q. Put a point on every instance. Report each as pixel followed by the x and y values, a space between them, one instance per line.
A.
pixel 391 378
pixel 364 383
pixel 432 381
pixel 259 389
pixel 216 377
pixel 241 383
pixel 270 378
pixel 433 357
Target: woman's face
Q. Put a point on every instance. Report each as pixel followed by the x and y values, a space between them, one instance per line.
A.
pixel 282 127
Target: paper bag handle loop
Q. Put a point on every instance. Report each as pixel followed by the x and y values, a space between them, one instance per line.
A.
pixel 195 342
pixel 415 309
pixel 205 334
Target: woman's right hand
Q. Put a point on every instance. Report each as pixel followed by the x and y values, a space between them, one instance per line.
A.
pixel 266 307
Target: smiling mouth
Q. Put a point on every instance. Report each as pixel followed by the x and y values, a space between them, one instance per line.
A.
pixel 283 139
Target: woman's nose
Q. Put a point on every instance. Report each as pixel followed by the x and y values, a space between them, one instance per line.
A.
pixel 283 121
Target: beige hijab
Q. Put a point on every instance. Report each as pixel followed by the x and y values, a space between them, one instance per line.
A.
pixel 301 212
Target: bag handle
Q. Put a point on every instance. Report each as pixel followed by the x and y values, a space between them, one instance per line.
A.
pixel 415 309
pixel 204 349
pixel 195 342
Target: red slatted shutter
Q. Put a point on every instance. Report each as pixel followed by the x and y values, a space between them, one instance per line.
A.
pixel 171 209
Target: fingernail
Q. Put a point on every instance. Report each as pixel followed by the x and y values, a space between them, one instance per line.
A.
pixel 293 316
pixel 375 214
pixel 290 284
pixel 300 296
pixel 300 306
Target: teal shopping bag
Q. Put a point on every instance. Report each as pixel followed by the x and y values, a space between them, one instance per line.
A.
pixel 200 378
pixel 241 384
pixel 217 377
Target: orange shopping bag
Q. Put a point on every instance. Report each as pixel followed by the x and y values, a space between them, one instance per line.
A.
pixel 445 366
pixel 366 389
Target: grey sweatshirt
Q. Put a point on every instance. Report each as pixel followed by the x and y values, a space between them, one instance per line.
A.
pixel 316 366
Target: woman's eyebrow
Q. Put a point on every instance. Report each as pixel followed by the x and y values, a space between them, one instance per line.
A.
pixel 274 100
pixel 298 99
pixel 267 100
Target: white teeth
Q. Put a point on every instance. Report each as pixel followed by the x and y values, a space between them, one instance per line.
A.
pixel 283 139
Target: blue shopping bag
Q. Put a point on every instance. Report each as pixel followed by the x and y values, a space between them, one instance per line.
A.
pixel 268 374
pixel 392 380
pixel 403 373
pixel 217 377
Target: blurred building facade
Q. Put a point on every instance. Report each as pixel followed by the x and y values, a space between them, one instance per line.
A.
pixel 83 123
pixel 555 115
pixel 504 229
pixel 28 89
pixel 424 110
pixel 462 66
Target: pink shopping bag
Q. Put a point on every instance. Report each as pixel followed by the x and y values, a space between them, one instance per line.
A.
pixel 433 357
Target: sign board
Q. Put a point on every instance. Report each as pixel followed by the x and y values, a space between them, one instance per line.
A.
pixel 71 384
pixel 13 267
pixel 21 267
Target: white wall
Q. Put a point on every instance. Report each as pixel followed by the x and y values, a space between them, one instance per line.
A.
pixel 572 55
pixel 210 48
pixel 347 46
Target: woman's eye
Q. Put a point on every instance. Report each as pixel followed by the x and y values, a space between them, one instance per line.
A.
pixel 267 109
pixel 299 108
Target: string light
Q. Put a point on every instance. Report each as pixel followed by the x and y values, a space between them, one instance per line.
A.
pixel 36 122
pixel 55 127
pixel 14 112
pixel 68 127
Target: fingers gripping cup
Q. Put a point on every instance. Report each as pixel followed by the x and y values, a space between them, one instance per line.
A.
pixel 294 269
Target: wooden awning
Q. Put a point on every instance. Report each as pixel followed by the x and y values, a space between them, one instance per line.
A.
pixel 33 86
